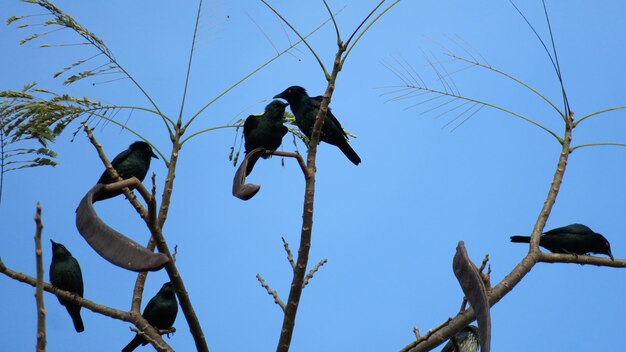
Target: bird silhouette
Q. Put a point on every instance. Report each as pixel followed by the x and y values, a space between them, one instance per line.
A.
pixel 305 110
pixel 160 312
pixel 572 239
pixel 134 161
pixel 265 131
pixel 65 274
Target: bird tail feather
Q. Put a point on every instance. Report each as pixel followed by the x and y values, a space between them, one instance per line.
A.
pixel 134 343
pixel 350 153
pixel 76 319
pixel 520 239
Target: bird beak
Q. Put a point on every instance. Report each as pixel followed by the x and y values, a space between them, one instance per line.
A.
pixel 280 96
pixel 153 155
pixel 53 243
pixel 611 255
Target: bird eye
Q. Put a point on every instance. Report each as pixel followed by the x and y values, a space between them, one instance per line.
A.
pixel 606 244
pixel 289 91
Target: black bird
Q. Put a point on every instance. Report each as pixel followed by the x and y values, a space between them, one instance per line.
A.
pixel 467 340
pixel 572 239
pixel 265 131
pixel 134 161
pixel 65 274
pixel 160 312
pixel 305 110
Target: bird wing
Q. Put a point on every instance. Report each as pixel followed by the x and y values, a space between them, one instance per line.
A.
pixel 251 122
pixel 78 278
pixel 317 103
pixel 121 157
pixel 573 228
pixel 150 312
pixel 105 178
pixel 69 279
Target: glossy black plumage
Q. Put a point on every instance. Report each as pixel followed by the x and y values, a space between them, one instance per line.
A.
pixel 160 312
pixel 265 131
pixel 467 340
pixel 572 239
pixel 305 110
pixel 65 274
pixel 134 161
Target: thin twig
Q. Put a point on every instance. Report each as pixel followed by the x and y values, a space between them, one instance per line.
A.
pixel 295 155
pixel 349 49
pixel 581 259
pixel 302 38
pixel 485 276
pixel 188 123
pixel 41 308
pixel 160 331
pixel 599 144
pixel 599 112
pixel 431 331
pixel 312 272
pixel 191 51
pixel 334 22
pixel 362 22
pixel 289 254
pixel 416 331
pixel 271 292
pixel 483 263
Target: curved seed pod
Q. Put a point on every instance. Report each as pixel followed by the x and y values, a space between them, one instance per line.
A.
pixel 242 190
pixel 110 244
pixel 476 293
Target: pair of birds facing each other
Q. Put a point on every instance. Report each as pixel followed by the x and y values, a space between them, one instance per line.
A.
pixel 65 274
pixel 267 130
pixel 571 239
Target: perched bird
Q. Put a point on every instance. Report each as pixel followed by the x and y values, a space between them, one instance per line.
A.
pixel 305 110
pixel 134 161
pixel 467 340
pixel 160 312
pixel 265 131
pixel 572 239
pixel 65 274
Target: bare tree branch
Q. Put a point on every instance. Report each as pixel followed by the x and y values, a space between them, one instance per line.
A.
pixel 317 267
pixel 289 254
pixel 271 292
pixel 155 225
pixel 41 308
pixel 136 319
pixel 454 325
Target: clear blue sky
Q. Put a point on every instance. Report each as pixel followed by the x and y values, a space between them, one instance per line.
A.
pixel 389 227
